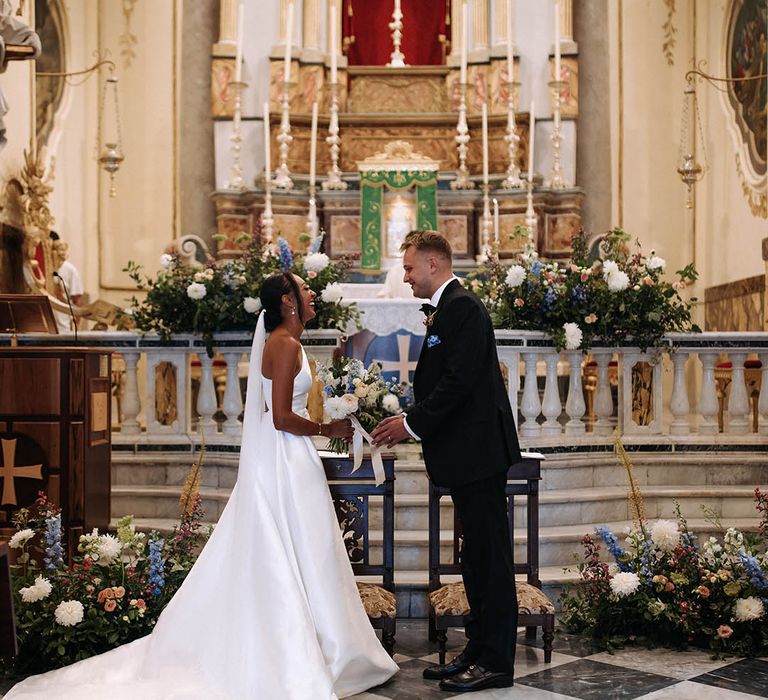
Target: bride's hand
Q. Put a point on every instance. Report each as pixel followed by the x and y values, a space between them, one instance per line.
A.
pixel 340 429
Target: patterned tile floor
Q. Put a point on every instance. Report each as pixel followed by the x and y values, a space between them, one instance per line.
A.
pixel 579 671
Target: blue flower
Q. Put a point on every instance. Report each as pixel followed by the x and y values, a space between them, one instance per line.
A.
pixel 156 567
pixel 286 255
pixel 613 546
pixel 328 391
pixel 54 554
pixel 579 293
pixel 756 574
pixel 536 268
pixel 646 558
pixel 315 246
pixel 549 299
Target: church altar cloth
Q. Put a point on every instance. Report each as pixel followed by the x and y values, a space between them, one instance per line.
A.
pixel 386 316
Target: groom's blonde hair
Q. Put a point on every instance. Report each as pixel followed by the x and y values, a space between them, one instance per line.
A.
pixel 429 241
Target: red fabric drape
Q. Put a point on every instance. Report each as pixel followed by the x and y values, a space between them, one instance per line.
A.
pixel 368 38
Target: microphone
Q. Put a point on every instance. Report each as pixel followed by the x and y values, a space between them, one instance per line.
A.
pixel 69 302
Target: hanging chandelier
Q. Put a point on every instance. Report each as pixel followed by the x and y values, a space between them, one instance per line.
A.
pixel 110 140
pixel 691 143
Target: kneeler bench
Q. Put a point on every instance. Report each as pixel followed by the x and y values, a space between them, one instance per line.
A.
pixel 448 602
pixel 351 494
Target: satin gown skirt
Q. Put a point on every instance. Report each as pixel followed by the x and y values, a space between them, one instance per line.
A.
pixel 270 609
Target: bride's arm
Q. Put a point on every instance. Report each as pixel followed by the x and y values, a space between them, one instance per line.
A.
pixel 285 365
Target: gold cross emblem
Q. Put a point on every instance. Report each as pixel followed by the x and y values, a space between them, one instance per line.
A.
pixel 9 472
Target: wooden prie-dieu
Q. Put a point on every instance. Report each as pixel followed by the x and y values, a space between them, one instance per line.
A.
pixel 55 435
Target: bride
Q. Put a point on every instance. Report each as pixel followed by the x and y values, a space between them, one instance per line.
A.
pixel 270 609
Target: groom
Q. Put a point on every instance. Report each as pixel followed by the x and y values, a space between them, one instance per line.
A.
pixel 464 421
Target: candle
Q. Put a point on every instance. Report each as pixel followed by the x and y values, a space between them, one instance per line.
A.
pixel 495 219
pixel 485 143
pixel 531 130
pixel 288 43
pixel 239 51
pixel 334 57
pixel 510 50
pixel 397 6
pixel 464 41
pixel 313 146
pixel 267 159
pixel 557 39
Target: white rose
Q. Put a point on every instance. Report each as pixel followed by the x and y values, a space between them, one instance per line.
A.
pixel 573 336
pixel 196 291
pixel 618 281
pixel 515 276
pixel 361 390
pixel 624 583
pixel 316 262
pixel 391 404
pixel 334 408
pixel 108 548
pixel 166 261
pixel 20 538
pixel 69 613
pixel 38 591
pixel 332 293
pixel 199 276
pixel 665 535
pixel 252 305
pixel 656 263
pixel 749 609
pixel 351 403
pixel 609 268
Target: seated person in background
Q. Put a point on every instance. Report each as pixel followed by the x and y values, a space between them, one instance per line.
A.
pixel 68 272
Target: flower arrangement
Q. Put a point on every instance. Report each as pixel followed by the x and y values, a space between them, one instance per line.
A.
pixel 112 591
pixel 351 389
pixel 664 588
pixel 222 296
pixel 588 301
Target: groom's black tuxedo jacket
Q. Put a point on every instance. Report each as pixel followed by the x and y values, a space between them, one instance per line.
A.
pixel 462 413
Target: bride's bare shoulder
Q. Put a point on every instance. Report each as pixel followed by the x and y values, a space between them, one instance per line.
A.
pixel 281 349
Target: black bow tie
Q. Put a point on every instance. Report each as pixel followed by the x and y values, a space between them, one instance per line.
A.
pixel 428 309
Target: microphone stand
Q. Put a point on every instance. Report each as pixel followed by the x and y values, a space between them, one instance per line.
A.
pixel 69 302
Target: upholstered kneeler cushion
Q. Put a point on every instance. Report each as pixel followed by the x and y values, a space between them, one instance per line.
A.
pixel 377 601
pixel 450 599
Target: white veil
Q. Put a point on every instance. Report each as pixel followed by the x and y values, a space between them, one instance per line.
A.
pixel 254 397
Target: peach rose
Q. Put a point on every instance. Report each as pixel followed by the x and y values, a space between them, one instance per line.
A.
pixel 110 605
pixel 724 631
pixel 119 592
pixel 519 302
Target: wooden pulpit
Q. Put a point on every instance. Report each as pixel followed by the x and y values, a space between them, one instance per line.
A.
pixel 55 435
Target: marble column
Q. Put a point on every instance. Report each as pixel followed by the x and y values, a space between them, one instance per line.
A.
pixel 312 24
pixel 479 51
pixel 225 46
pixel 499 19
pixel 566 21
pixel 454 58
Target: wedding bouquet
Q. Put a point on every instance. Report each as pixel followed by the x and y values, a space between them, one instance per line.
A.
pixel 353 391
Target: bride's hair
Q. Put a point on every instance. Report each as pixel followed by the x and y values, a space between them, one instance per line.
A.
pixel 272 291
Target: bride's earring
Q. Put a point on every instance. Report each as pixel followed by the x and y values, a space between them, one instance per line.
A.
pixel 293 311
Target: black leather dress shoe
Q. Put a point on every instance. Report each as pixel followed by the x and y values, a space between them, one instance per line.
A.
pixel 477 678
pixel 456 665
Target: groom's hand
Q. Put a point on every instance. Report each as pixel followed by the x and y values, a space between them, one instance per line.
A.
pixel 389 432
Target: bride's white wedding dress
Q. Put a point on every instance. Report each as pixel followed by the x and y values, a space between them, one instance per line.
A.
pixel 270 609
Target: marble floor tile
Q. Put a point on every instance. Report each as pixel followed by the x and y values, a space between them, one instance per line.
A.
pixel 571 644
pixel 665 662
pixel 591 680
pixel 745 676
pixel 688 690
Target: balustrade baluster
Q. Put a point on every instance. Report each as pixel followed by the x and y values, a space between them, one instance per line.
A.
pixel 553 405
pixel 762 402
pixel 131 401
pixel 679 404
pixel 708 405
pixel 603 396
pixel 738 403
pixel 512 363
pixel 206 397
pixel 574 404
pixel 531 405
pixel 233 401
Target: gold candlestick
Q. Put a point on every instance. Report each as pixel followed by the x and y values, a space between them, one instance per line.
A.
pixel 462 181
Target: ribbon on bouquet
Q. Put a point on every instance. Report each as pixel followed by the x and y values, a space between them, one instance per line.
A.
pixel 360 435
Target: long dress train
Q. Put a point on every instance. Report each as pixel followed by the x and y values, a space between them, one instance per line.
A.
pixel 269 610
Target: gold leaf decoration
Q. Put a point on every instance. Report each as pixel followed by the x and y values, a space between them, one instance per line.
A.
pixel 757 200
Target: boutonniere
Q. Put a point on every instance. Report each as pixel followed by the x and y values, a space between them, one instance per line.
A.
pixel 433 340
pixel 428 319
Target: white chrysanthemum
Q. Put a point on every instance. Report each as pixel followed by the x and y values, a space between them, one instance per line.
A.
pixel 335 408
pixel 69 613
pixel 38 591
pixel 252 305
pixel 166 261
pixel 624 583
pixel 609 268
pixel 515 276
pixel 656 263
pixel 20 538
pixel 665 535
pixel 618 281
pixel 748 609
pixel 573 336
pixel 196 291
pixel 108 548
pixel 316 262
pixel 391 404
pixel 332 293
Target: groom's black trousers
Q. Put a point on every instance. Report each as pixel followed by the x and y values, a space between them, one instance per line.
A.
pixel 488 572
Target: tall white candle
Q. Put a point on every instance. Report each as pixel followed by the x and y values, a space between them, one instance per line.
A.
pixel 267 145
pixel 531 130
pixel 557 39
pixel 239 50
pixel 313 146
pixel 334 58
pixel 464 41
pixel 485 143
pixel 288 42
pixel 495 219
pixel 510 49
pixel 397 5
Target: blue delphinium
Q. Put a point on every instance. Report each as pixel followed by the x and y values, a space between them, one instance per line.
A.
pixel 579 293
pixel 613 546
pixel 286 256
pixel 316 243
pixel 646 558
pixel 156 567
pixel 549 299
pixel 536 268
pixel 54 554
pixel 754 571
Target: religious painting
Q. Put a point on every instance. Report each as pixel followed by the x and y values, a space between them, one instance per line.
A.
pixel 509 244
pixel 222 74
pixel 50 24
pixel 560 230
pixel 399 218
pixel 454 228
pixel 345 235
pixel 291 227
pixel 569 90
